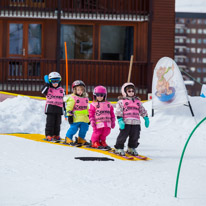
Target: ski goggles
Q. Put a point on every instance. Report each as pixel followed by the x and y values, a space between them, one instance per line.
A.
pixel 130 91
pixel 53 81
pixel 99 95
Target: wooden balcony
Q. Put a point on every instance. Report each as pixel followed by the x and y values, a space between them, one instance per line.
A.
pixel 26 75
pixel 77 9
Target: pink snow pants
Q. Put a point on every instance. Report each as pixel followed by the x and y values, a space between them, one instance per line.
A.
pixel 100 134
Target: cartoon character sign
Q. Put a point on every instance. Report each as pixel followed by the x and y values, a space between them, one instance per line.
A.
pixel 168 87
pixel 164 91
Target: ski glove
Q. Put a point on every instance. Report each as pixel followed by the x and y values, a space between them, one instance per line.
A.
pixel 113 124
pixel 70 119
pixel 93 124
pixel 121 123
pixel 146 118
pixel 46 79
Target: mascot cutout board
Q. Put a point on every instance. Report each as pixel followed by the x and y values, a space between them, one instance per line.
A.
pixel 168 88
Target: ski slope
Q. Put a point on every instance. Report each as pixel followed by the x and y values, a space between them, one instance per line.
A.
pixel 36 173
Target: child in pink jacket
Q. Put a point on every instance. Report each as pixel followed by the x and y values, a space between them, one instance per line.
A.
pixel 102 118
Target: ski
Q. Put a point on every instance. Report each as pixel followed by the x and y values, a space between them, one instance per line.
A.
pixel 140 157
pixel 123 156
pixel 90 147
pixel 53 141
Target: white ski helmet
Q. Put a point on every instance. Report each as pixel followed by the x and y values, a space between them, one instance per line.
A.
pixel 124 86
pixel 54 75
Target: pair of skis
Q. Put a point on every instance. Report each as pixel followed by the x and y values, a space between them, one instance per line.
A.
pixel 128 156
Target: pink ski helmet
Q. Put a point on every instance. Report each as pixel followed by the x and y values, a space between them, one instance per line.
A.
pixel 100 90
pixel 124 86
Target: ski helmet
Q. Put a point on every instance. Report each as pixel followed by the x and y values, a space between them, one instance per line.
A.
pixel 100 90
pixel 78 83
pixel 54 75
pixel 124 86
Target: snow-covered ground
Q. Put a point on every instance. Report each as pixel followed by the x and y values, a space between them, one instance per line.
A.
pixel 36 173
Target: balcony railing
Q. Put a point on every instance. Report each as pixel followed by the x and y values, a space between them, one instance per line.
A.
pixel 26 76
pixel 98 9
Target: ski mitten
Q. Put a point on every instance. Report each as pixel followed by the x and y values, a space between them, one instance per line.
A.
pixel 46 79
pixel 93 124
pixel 146 118
pixel 70 119
pixel 121 123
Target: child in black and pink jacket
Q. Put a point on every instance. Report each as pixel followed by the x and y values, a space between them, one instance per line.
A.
pixel 54 105
pixel 128 111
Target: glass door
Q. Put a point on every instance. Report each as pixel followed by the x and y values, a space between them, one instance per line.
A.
pixel 25 44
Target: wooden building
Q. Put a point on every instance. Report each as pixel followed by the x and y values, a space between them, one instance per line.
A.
pixel 101 36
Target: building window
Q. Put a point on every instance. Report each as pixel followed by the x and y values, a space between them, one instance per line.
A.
pixel 193 21
pixel 192 69
pixel 204 70
pixel 199 31
pixel 193 40
pixel 198 79
pixel 193 60
pixel 181 20
pixel 204 31
pixel 79 40
pixel 199 50
pixel 199 60
pixel 199 41
pixel 193 31
pixel 193 50
pixel 203 60
pixel 16 39
pixel 34 39
pixel 204 79
pixel 204 51
pixel 199 70
pixel 116 42
pixel 204 41
pixel 199 21
pixel 188 31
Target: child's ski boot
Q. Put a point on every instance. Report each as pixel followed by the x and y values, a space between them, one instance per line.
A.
pixel 56 138
pixel 69 141
pixel 119 152
pixel 49 138
pixel 81 141
pixel 104 144
pixel 97 145
pixel 132 151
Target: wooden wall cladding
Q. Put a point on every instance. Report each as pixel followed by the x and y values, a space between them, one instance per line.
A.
pixel 163 28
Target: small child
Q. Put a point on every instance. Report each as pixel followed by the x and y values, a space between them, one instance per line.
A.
pixel 54 105
pixel 128 112
pixel 102 118
pixel 77 112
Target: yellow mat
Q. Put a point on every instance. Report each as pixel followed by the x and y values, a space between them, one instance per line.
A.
pixel 40 138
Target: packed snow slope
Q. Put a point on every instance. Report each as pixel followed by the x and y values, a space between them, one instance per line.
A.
pixel 36 173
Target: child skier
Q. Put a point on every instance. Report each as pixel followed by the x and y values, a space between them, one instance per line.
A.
pixel 128 112
pixel 77 112
pixel 102 118
pixel 54 105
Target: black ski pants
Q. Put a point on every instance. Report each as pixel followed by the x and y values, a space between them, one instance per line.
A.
pixel 53 122
pixel 131 131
